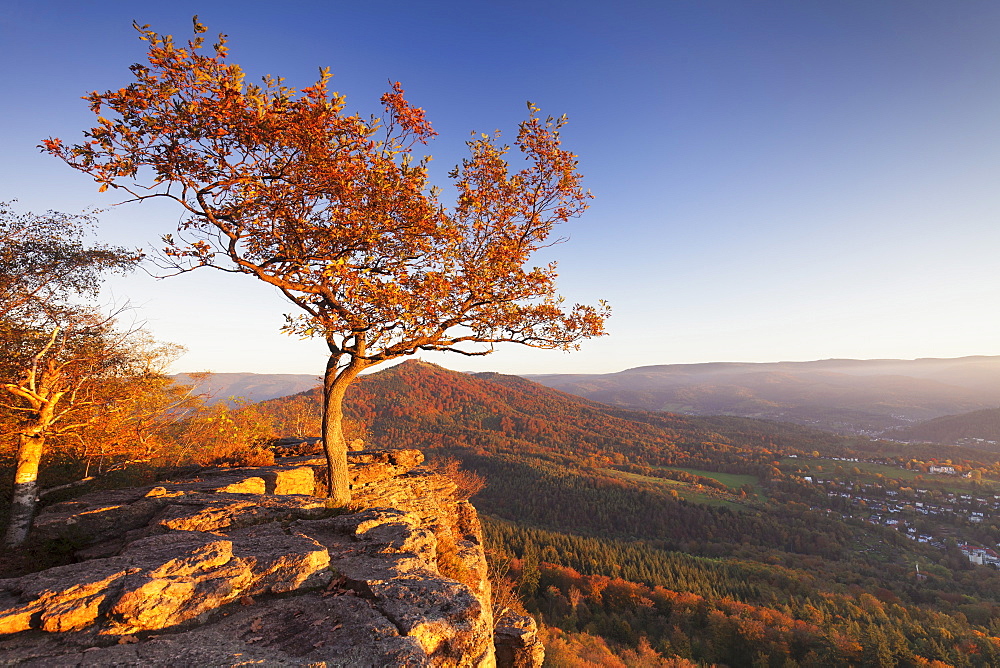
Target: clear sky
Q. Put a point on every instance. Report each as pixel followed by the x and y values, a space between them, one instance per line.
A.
pixel 774 180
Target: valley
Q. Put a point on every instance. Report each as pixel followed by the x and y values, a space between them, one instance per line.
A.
pixel 720 540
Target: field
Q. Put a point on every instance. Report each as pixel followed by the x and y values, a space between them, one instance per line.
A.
pixel 732 480
pixel 684 490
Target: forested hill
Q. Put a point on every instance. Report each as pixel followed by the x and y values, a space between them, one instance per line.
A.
pixel 416 404
pixel 978 429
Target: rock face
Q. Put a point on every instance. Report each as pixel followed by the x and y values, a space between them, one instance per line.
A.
pixel 246 566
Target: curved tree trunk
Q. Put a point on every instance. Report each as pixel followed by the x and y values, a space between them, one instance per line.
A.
pixel 25 497
pixel 334 444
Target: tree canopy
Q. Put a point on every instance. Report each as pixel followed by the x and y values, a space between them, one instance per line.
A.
pixel 44 263
pixel 335 211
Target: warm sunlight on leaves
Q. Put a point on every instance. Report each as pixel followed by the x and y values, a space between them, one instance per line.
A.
pixel 334 210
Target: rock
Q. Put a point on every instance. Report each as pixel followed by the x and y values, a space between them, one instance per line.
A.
pixel 159 581
pixel 239 566
pixel 297 447
pixel 368 466
pixel 517 642
pixel 65 598
pixel 227 497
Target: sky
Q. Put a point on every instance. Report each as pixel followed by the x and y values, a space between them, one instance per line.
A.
pixel 773 180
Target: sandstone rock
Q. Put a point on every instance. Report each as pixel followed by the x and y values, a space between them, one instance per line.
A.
pixel 368 466
pixel 236 575
pixel 226 498
pixel 394 564
pixel 279 480
pixel 160 581
pixel 97 517
pixel 444 616
pixel 287 481
pixel 517 642
pixel 305 630
pixel 455 523
pixel 297 447
pixel 60 599
pixel 217 512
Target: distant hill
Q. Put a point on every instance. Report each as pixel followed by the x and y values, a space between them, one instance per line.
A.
pixel 846 396
pixel 976 429
pixel 416 404
pixel 253 387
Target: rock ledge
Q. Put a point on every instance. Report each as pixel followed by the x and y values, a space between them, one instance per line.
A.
pixel 246 566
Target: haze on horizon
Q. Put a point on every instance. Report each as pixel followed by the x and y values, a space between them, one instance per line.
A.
pixel 777 181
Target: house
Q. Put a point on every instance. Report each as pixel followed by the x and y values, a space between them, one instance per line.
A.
pixel 942 469
pixel 980 555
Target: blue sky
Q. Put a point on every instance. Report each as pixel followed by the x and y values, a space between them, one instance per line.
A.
pixel 773 180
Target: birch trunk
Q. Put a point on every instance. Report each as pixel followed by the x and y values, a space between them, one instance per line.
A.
pixel 25 498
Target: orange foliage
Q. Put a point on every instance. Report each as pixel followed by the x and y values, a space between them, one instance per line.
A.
pixel 333 210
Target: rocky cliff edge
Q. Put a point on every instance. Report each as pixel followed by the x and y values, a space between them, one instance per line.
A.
pixel 246 566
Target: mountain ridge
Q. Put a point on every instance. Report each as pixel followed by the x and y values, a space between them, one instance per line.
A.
pixel 841 395
pixel 417 404
pixel 868 397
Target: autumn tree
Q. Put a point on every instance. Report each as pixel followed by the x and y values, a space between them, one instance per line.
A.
pixel 141 414
pixel 217 435
pixel 336 212
pixel 59 380
pixel 53 348
pixel 44 262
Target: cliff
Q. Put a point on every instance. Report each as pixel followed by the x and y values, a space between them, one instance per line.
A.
pixel 243 566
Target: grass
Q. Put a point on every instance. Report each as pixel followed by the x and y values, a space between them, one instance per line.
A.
pixel 636 477
pixel 684 490
pixel 731 480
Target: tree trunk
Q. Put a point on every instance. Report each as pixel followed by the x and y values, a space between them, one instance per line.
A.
pixel 334 445
pixel 25 497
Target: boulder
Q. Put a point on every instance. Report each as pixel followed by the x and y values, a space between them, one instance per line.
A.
pixel 517 642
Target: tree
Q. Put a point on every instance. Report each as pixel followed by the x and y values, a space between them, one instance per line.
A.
pixel 51 348
pixel 335 212
pixel 140 417
pixel 66 367
pixel 218 435
pixel 43 261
